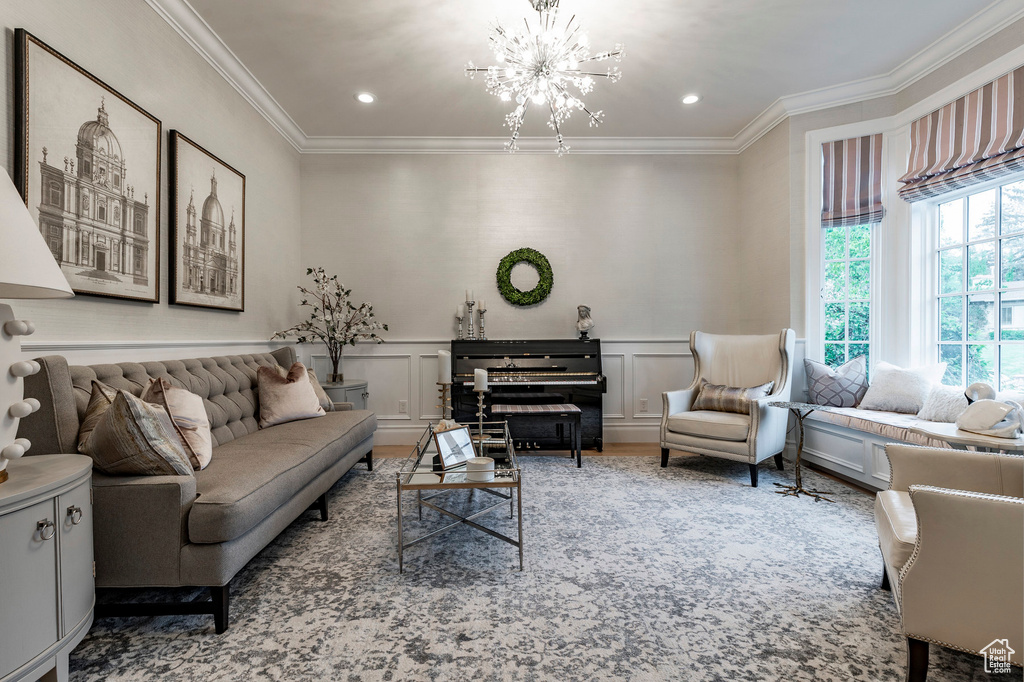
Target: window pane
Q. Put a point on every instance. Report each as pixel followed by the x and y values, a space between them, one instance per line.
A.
pixel 1013 208
pixel 835 281
pixel 835 243
pixel 1012 249
pixel 951 223
pixel 835 354
pixel 951 271
pixel 1011 316
pixel 859 322
pixel 1011 363
pixel 981 363
pixel 952 355
pixel 860 241
pixel 951 318
pixel 981 266
pixel 981 318
pixel 860 280
pixel 835 322
pixel 857 349
pixel 981 215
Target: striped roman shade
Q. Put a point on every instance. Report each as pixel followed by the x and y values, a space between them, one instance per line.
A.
pixel 852 181
pixel 976 138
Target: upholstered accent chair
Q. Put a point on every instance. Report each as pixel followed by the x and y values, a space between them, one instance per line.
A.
pixel 738 361
pixel 951 531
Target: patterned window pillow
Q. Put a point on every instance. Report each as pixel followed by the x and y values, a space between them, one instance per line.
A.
pixel 843 386
pixel 894 389
pixel 99 402
pixel 189 416
pixel 134 438
pixel 728 399
pixel 943 404
pixel 286 398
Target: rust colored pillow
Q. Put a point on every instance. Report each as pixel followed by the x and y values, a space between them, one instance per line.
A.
pixel 288 398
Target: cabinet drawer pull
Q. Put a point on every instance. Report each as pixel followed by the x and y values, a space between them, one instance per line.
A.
pixel 75 514
pixel 41 526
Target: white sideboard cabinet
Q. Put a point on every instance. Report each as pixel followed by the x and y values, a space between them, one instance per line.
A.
pixel 47 588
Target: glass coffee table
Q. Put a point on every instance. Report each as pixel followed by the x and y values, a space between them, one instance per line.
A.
pixel 420 473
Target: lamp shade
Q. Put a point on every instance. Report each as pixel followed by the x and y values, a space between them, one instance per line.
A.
pixel 27 267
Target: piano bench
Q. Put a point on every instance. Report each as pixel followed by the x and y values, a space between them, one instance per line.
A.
pixel 563 413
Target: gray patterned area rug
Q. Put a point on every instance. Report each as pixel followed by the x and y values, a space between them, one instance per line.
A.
pixel 633 572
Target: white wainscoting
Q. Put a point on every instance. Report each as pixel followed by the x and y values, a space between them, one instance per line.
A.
pixel 399 371
pixel 97 352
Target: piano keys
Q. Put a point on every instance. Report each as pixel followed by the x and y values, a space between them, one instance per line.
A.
pixel 533 372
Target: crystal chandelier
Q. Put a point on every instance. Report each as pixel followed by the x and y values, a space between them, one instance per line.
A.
pixel 538 67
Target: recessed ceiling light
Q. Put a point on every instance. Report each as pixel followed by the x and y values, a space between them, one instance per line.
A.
pixel 691 99
pixel 366 97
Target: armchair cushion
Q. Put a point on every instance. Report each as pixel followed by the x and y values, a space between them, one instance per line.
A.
pixel 711 424
pixel 727 398
pixel 897 526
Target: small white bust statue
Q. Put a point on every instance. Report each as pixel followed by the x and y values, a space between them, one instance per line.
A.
pixel 584 324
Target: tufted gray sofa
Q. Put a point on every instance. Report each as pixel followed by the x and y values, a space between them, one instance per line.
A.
pixel 171 531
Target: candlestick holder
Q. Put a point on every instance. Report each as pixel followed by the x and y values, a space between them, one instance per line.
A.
pixel 459 319
pixel 446 400
pixel 469 312
pixel 483 336
pixel 480 418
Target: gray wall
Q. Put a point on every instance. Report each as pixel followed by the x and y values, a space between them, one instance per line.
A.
pixel 127 45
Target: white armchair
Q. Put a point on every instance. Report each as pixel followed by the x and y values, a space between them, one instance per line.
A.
pixel 951 531
pixel 739 361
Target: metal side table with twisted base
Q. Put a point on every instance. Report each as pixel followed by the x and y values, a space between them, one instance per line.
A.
pixel 800 411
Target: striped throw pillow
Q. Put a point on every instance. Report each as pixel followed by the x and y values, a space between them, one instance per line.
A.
pixel 727 398
pixel 134 438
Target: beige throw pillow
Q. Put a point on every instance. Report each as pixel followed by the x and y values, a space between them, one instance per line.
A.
pixel 288 398
pixel 135 438
pixel 728 399
pixel 189 416
pixel 99 402
pixel 321 394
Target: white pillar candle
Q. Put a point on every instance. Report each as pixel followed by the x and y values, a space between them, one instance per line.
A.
pixel 479 379
pixel 469 294
pixel 444 367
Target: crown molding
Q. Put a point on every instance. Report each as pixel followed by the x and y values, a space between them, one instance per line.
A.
pixel 205 41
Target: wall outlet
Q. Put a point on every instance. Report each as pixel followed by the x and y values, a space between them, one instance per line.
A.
pixel 403 407
pixel 643 405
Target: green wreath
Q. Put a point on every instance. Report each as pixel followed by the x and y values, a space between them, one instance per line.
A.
pixel 523 298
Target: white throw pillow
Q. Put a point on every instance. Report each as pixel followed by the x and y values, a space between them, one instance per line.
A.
pixel 894 389
pixel 944 404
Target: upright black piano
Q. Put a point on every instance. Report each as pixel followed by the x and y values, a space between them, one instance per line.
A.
pixel 533 372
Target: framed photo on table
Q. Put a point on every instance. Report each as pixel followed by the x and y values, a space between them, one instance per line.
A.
pixel 87 161
pixel 454 447
pixel 207 229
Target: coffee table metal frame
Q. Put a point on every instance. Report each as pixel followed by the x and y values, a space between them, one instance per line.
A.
pixel 417 474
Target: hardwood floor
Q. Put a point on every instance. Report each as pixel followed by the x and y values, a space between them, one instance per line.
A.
pixel 616 450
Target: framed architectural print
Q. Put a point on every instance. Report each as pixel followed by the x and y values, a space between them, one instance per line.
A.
pixel 87 162
pixel 455 447
pixel 207 229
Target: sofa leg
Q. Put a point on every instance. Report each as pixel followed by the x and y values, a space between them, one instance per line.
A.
pixel 664 457
pixel 321 505
pixel 885 580
pixel 917 660
pixel 219 596
pixel 368 458
pixel 778 461
pixel 753 475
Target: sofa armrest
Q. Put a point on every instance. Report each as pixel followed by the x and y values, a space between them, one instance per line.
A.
pixel 674 402
pixel 140 527
pixel 979 472
pixel 343 407
pixel 962 584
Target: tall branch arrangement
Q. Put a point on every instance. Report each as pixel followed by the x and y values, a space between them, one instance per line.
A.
pixel 333 319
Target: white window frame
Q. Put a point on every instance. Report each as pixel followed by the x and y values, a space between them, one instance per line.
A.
pixel 929 240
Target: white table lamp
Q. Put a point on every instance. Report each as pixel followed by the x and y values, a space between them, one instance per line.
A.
pixel 27 270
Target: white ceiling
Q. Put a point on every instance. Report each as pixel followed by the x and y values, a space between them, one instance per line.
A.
pixel 312 56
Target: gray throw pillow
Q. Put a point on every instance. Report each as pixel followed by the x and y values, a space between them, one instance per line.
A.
pixel 843 386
